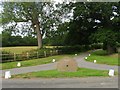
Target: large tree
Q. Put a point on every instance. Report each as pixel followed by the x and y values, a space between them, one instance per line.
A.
pixel 99 21
pixel 38 16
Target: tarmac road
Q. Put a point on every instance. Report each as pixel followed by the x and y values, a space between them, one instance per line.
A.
pixel 89 82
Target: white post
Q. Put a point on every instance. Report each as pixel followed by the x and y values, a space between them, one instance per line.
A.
pixel 53 60
pixel 89 54
pixel 18 64
pixel 86 58
pixel 7 75
pixel 95 61
pixel 75 54
pixel 111 72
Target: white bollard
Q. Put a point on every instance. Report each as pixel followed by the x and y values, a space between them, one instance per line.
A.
pixel 53 60
pixel 85 57
pixel 111 72
pixel 75 54
pixel 89 54
pixel 95 61
pixel 7 75
pixel 18 64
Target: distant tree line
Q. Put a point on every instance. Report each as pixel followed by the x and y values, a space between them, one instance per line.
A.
pixel 9 40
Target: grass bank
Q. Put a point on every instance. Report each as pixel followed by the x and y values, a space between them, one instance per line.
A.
pixel 82 72
pixel 102 57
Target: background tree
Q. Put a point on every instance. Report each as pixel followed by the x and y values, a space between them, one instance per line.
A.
pixel 37 14
pixel 89 19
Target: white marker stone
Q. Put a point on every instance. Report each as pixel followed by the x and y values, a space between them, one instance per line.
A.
pixel 7 75
pixel 75 54
pixel 18 64
pixel 85 57
pixel 53 60
pixel 111 72
pixel 89 54
pixel 95 61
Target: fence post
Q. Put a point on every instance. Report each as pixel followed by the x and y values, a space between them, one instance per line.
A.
pixel 51 52
pixel 37 55
pixel 14 56
pixel 45 53
pixel 27 55
pixel 57 52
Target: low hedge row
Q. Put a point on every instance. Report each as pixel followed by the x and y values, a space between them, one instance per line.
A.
pixel 45 52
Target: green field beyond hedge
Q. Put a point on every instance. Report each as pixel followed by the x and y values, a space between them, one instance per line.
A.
pixel 82 72
pixel 102 58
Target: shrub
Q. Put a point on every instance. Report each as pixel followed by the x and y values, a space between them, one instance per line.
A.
pixel 73 49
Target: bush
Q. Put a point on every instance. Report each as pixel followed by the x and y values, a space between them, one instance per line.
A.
pixel 97 46
pixel 73 49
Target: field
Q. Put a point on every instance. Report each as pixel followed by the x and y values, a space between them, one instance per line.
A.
pixel 82 72
pixel 102 58
pixel 19 49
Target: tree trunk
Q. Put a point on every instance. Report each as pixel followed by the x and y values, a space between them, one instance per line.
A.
pixel 39 36
pixel 111 49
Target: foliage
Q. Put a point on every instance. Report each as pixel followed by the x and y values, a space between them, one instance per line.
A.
pixel 73 49
pixel 9 40
pixel 91 18
pixel 105 35
pixel 35 17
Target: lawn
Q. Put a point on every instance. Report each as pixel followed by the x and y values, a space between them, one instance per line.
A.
pixel 33 62
pixel 82 72
pixel 102 58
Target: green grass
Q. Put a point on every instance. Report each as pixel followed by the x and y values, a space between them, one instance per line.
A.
pixel 33 62
pixel 18 49
pixel 102 58
pixel 82 72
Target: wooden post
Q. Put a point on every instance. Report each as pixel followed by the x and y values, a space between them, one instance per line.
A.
pixel 27 55
pixel 51 52
pixel 57 52
pixel 37 55
pixel 14 56
pixel 45 53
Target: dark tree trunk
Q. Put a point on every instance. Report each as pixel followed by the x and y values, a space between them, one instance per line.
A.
pixel 39 36
pixel 111 49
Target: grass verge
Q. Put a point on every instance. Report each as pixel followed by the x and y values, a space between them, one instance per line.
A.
pixel 102 58
pixel 33 62
pixel 82 72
